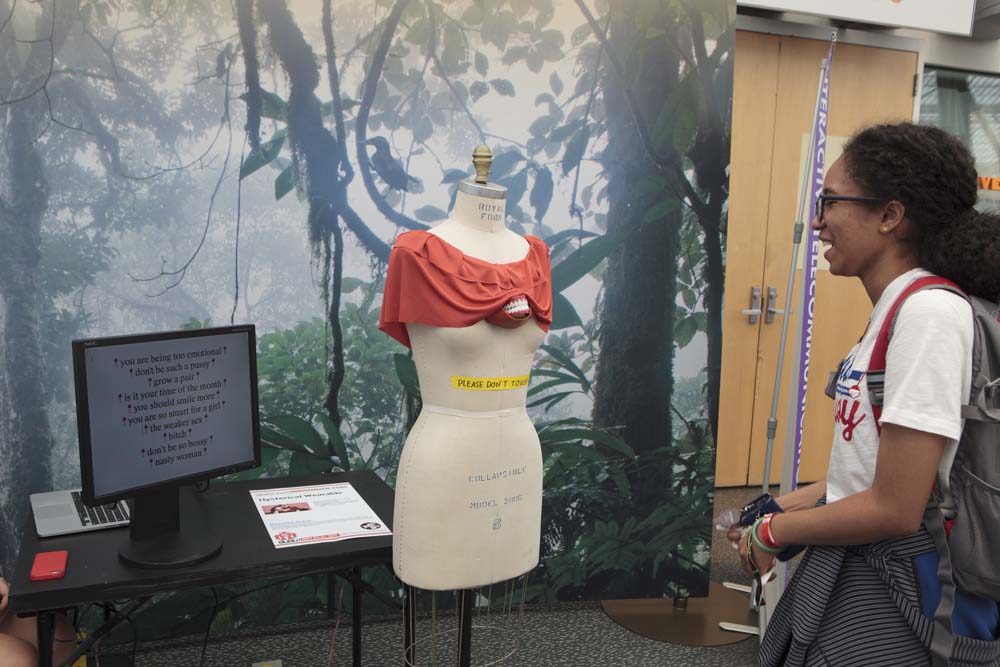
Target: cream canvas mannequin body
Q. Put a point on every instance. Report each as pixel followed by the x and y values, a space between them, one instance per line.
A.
pixel 469 486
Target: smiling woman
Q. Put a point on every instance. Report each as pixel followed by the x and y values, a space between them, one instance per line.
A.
pixel 897 208
pixel 849 228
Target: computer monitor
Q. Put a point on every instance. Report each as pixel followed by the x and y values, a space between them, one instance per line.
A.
pixel 159 411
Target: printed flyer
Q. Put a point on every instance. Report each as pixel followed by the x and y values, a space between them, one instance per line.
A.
pixel 312 514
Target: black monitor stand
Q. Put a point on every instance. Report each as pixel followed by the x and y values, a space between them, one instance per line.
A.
pixel 158 538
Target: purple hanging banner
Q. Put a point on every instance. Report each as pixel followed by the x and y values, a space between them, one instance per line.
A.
pixel 811 236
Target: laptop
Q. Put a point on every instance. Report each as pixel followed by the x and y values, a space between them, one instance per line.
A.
pixel 63 513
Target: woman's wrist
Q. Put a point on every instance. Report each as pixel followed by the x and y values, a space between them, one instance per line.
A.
pixel 760 533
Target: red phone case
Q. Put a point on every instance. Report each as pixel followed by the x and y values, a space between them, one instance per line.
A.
pixel 48 565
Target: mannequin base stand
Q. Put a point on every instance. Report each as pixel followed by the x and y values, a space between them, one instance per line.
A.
pixel 685 621
pixel 482 627
pixel 465 601
pixel 464 611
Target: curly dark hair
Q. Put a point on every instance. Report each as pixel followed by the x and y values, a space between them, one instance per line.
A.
pixel 933 175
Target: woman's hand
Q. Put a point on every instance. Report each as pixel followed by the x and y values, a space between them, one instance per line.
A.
pixel 763 561
pixel 4 593
pixel 738 536
pixel 734 535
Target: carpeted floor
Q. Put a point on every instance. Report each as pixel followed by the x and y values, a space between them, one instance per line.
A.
pixel 571 635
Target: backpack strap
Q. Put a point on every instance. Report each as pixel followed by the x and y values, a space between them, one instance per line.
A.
pixel 942 644
pixel 876 365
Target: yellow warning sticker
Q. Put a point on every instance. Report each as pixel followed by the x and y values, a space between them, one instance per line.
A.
pixel 489 384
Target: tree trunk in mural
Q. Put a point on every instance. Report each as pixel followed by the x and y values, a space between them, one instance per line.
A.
pixel 321 154
pixel 709 155
pixel 714 281
pixel 634 376
pixel 635 367
pixel 21 211
pixel 23 204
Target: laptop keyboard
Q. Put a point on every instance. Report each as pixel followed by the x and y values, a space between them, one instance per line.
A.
pixel 100 515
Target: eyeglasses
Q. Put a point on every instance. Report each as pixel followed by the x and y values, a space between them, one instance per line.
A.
pixel 823 199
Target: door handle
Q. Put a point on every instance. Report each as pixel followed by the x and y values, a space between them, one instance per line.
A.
pixel 772 310
pixel 753 312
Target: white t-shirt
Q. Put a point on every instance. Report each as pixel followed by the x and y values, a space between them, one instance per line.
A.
pixel 927 380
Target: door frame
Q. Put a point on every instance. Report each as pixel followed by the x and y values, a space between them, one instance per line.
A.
pixel 876 38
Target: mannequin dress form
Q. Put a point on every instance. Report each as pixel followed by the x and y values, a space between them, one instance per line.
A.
pixel 473 301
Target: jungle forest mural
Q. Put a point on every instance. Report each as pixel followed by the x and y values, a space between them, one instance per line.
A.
pixel 184 163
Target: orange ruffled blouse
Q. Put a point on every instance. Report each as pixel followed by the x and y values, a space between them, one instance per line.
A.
pixel 432 282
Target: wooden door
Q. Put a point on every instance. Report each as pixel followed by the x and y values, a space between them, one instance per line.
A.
pixel 774 95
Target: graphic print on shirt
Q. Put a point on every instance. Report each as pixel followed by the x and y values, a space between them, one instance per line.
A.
pixel 849 398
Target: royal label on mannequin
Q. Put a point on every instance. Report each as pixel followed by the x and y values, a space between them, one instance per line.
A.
pixel 469 486
pixel 491 211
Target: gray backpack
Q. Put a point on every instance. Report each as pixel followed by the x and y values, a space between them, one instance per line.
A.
pixel 970 552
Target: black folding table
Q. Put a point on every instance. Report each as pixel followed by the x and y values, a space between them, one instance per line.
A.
pixel 94 572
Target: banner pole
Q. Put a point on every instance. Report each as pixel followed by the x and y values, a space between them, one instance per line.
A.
pixel 772 422
pixel 815 162
pixel 790 467
pixel 815 153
